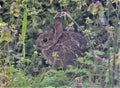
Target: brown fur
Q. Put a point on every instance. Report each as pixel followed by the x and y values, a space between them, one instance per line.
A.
pixel 68 44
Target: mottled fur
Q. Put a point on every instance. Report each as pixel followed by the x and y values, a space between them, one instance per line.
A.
pixel 67 44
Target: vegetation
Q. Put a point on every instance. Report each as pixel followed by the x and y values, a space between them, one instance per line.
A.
pixel 21 62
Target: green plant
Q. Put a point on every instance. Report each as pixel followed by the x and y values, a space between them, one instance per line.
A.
pixel 22 20
pixel 11 77
pixel 24 27
pixel 51 78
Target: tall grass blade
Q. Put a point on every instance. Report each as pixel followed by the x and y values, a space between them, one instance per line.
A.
pixel 24 27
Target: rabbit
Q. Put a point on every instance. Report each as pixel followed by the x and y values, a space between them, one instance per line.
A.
pixel 67 45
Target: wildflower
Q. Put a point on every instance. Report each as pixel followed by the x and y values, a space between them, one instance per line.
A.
pixel 35 52
pixel 98 3
pixel 95 8
pixel 99 59
pixel 5 34
pixel 91 6
pixel 103 60
pixel 102 19
pixel 14 9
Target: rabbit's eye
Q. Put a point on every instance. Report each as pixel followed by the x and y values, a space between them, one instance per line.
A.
pixel 45 40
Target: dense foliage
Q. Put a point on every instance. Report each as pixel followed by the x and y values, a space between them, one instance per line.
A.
pixel 21 62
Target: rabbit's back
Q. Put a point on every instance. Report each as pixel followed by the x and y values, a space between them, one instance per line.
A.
pixel 74 41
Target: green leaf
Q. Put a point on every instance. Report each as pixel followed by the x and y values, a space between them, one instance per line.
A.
pixel 52 10
pixel 75 0
pixel 66 2
pixel 1 20
pixel 98 52
pixel 24 24
pixel 2 25
pixel 24 27
pixel 80 59
pixel 88 20
pixel 89 62
pixel 84 70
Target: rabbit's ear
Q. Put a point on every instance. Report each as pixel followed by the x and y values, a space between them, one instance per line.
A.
pixel 58 26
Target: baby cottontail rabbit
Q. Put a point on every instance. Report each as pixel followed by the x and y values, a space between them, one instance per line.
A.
pixel 61 48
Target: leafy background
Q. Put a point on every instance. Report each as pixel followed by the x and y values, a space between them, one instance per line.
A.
pixel 21 63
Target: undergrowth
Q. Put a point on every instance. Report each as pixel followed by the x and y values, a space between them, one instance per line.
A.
pixel 21 62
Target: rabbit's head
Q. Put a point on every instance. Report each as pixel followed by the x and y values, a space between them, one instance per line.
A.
pixel 50 37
